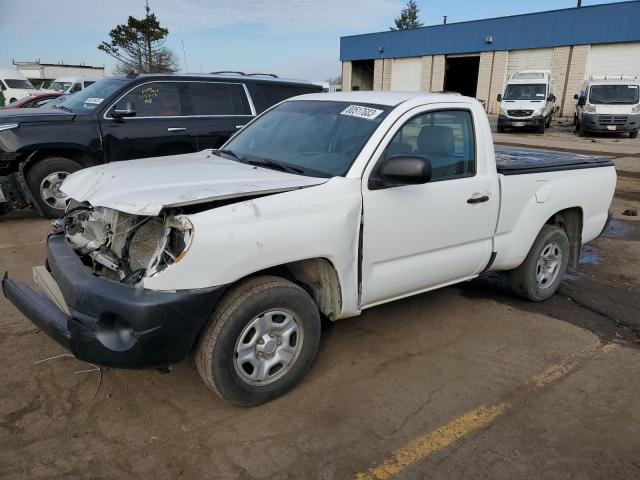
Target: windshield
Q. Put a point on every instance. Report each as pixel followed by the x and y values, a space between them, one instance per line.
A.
pixel 613 94
pixel 525 91
pixel 92 96
pixel 60 86
pixel 19 83
pixel 319 138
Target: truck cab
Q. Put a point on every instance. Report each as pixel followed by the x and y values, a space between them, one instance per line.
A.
pixel 528 101
pixel 608 105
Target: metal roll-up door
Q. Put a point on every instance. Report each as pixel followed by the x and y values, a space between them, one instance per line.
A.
pixel 406 74
pixel 533 59
pixel 614 60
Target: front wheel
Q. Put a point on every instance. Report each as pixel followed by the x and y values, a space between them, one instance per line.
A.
pixel 44 180
pixel 633 134
pixel 540 275
pixel 260 341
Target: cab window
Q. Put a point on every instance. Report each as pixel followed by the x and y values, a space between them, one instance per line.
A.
pixel 158 99
pixel 445 137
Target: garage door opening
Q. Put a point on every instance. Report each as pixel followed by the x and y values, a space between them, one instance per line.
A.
pixel 461 75
pixel 362 75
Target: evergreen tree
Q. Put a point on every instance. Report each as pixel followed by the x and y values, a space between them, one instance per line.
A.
pixel 139 46
pixel 408 18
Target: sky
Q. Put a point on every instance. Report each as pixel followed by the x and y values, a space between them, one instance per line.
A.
pixel 292 38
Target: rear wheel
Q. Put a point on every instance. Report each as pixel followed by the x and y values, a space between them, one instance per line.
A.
pixel 540 275
pixel 260 341
pixel 44 180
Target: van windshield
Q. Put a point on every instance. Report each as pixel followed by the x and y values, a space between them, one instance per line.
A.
pixel 613 94
pixel 316 138
pixel 19 83
pixel 525 91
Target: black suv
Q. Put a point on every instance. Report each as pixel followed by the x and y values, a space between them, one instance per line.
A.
pixel 123 118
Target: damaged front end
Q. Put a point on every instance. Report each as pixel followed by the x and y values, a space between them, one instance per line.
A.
pixel 125 247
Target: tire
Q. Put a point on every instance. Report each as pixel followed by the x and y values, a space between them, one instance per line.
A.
pixel 581 131
pixel 529 280
pixel 633 134
pixel 540 128
pixel 547 124
pixel 500 129
pixel 244 317
pixel 44 178
pixel 13 100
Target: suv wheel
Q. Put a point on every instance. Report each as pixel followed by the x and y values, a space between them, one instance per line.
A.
pixel 633 134
pixel 44 180
pixel 540 275
pixel 260 341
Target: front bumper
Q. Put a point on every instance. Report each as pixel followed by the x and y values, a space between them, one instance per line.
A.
pixel 513 122
pixel 110 323
pixel 593 122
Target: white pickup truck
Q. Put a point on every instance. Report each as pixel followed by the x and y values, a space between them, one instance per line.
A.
pixel 325 205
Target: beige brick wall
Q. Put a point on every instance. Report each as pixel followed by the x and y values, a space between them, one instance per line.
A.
pixel 576 77
pixel 484 76
pixel 377 74
pixel 386 73
pixel 425 81
pixel 346 76
pixel 500 64
pixel 437 84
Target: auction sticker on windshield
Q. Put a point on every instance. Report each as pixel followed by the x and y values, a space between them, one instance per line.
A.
pixel 361 112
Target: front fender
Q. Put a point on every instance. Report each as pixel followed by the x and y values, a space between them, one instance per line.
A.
pixel 234 241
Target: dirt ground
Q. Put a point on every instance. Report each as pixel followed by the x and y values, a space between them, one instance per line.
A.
pixel 464 382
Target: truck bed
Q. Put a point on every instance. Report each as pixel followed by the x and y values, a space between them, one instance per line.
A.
pixel 519 161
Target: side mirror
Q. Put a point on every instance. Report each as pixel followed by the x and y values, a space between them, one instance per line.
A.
pixel 582 101
pixel 551 97
pixel 122 111
pixel 499 97
pixel 575 97
pixel 405 170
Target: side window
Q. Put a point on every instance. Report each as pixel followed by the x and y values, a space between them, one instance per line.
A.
pixel 208 98
pixel 76 88
pixel 445 137
pixel 265 95
pixel 158 99
pixel 86 84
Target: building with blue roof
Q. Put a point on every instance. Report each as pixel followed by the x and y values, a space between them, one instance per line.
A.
pixel 477 57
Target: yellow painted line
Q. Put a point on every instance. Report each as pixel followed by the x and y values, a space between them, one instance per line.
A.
pixel 468 423
pixel 438 439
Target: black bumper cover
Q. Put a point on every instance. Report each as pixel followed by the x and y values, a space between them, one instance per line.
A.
pixel 110 323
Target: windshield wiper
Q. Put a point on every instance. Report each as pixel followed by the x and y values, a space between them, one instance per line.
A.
pixel 232 154
pixel 276 165
pixel 62 107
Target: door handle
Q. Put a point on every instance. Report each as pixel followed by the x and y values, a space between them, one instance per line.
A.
pixel 238 127
pixel 481 199
pixel 176 129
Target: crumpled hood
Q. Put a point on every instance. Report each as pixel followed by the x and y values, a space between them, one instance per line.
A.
pixel 146 186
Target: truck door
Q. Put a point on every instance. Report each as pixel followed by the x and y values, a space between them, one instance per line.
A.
pixel 418 237
pixel 159 126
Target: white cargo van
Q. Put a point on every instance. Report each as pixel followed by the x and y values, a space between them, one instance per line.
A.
pixel 70 85
pixel 608 105
pixel 528 101
pixel 15 85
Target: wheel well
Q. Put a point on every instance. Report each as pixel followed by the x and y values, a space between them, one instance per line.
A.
pixel 570 220
pixel 82 158
pixel 317 276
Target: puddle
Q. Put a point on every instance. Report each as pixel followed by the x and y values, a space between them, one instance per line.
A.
pixel 623 229
pixel 589 255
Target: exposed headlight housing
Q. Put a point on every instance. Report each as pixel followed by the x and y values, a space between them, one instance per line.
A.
pixel 8 126
pixel 126 247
